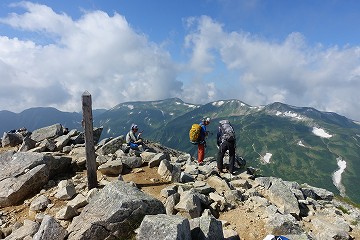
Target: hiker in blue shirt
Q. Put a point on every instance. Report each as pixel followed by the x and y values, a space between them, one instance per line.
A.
pixel 202 140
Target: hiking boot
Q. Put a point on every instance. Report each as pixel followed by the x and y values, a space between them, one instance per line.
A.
pixel 201 163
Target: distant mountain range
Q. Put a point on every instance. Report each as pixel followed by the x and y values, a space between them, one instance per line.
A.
pixel 295 143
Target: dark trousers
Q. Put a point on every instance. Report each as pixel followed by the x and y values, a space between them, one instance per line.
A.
pixel 222 149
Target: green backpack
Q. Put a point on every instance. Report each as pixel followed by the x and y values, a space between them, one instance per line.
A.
pixel 194 133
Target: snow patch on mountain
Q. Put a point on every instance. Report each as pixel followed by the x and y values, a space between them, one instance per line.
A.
pixel 131 107
pixel 267 157
pixel 289 114
pixel 321 132
pixel 337 176
pixel 191 105
pixel 186 104
pixel 218 103
pixel 300 143
pixel 257 107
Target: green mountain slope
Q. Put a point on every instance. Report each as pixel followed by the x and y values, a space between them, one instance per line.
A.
pixel 149 115
pixel 286 133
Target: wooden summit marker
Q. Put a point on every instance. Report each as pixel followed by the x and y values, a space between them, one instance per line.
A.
pixel 87 124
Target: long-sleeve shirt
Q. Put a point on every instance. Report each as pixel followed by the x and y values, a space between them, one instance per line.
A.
pixel 131 137
pixel 203 132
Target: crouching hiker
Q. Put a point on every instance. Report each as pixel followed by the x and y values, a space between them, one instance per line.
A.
pixel 134 140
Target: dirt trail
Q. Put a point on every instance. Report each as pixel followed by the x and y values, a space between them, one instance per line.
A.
pixel 242 219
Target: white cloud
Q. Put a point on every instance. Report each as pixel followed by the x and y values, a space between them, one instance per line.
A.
pixel 259 71
pixel 104 55
pixel 98 53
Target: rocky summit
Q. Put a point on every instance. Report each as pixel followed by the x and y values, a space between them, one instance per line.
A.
pixel 44 194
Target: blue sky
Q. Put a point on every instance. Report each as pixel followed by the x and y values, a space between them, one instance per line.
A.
pixel 303 53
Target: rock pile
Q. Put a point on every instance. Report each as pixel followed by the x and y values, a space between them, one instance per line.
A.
pixel 49 164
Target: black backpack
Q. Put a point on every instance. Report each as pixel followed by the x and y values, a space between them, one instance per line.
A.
pixel 228 133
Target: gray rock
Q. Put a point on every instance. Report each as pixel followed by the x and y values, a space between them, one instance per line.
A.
pixel 39 203
pixel 132 162
pixel 186 177
pixel 52 131
pixel 66 213
pixel 67 149
pixel 264 181
pixel 218 184
pixel 155 161
pixel 279 224
pixel 325 227
pixel 102 159
pixel 191 169
pixel 189 205
pixel 111 168
pixel 147 156
pixel 28 229
pixel 66 190
pixel 283 198
pixel 97 134
pixel 62 141
pixel 114 212
pixel 111 146
pixel 241 183
pixel 22 175
pixel 168 191
pixel 27 144
pixel 50 229
pixel 11 139
pixel 175 173
pixel 171 202
pixel 230 234
pixel 166 227
pixel 79 201
pixel 165 169
pixel 317 193
pixel 206 228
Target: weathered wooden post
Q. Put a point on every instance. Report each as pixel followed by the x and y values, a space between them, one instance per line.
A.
pixel 87 123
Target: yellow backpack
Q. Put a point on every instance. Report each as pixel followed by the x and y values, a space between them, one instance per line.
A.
pixel 194 133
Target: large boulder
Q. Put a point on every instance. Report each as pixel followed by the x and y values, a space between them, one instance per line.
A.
pixel 25 173
pixel 11 139
pixel 117 210
pixel 280 195
pixel 52 131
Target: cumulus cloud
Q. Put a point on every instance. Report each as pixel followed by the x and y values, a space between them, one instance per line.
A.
pixel 98 53
pixel 104 55
pixel 259 71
